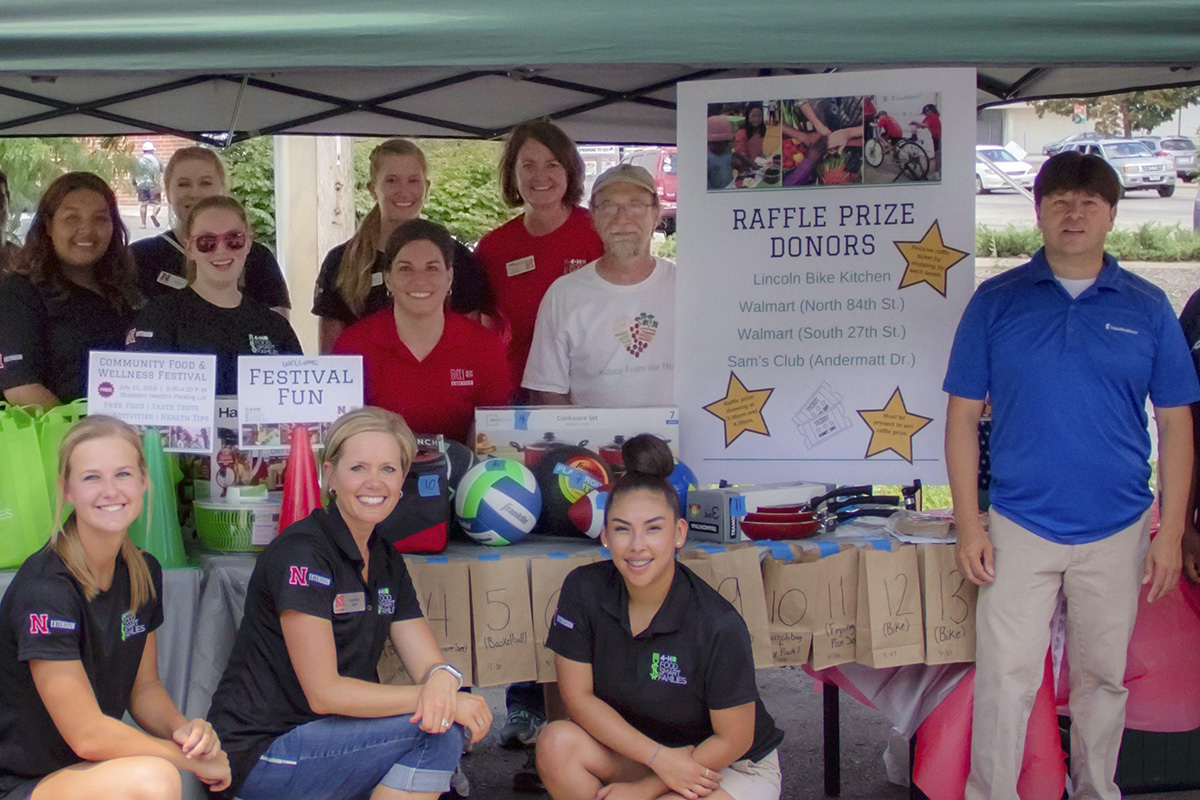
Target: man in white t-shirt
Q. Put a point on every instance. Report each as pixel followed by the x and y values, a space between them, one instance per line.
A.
pixel 605 334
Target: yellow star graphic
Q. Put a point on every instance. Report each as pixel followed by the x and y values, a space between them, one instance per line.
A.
pixel 928 260
pixel 892 427
pixel 741 410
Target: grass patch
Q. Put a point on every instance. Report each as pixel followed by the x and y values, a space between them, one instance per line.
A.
pixel 1153 242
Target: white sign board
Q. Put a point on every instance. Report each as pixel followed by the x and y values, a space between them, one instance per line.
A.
pixel 824 265
pixel 171 391
pixel 277 392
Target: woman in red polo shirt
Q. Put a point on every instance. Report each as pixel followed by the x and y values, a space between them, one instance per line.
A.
pixel 430 365
pixel 541 172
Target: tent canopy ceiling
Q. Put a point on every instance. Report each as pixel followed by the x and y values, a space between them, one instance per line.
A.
pixel 221 70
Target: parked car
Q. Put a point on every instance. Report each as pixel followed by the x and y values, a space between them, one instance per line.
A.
pixel 986 178
pixel 1181 150
pixel 1087 136
pixel 660 162
pixel 1135 165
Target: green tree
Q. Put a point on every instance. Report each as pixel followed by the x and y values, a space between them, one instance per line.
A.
pixel 32 164
pixel 1122 114
pixel 465 197
pixel 251 165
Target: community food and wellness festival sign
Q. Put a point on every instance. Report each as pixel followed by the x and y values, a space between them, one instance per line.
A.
pixel 825 250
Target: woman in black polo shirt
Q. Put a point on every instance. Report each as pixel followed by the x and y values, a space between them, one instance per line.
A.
pixel 75 290
pixel 300 708
pixel 213 315
pixel 78 650
pixel 654 666
pixel 192 174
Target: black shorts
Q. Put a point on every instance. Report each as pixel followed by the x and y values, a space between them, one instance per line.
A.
pixel 22 791
pixel 149 195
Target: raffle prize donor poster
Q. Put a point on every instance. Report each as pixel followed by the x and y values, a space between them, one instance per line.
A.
pixel 826 237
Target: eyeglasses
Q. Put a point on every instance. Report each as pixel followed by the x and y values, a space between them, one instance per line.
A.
pixel 610 209
pixel 207 243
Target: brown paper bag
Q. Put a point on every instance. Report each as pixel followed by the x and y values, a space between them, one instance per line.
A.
pixel 790 589
pixel 735 574
pixel 443 589
pixel 890 633
pixel 949 606
pixel 546 576
pixel 502 621
pixel 835 609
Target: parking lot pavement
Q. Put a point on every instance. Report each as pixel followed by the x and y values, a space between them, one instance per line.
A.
pixel 1001 208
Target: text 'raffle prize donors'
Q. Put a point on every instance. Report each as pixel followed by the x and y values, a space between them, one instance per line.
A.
pixel 825 237
pixel 300 385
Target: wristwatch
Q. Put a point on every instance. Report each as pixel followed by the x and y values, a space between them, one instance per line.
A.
pixel 449 669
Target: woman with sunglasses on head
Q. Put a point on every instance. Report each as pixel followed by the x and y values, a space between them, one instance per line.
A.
pixel 78 646
pixel 654 666
pixel 212 315
pixel 300 707
pixel 430 365
pixel 192 174
pixel 541 172
pixel 350 285
pixel 75 290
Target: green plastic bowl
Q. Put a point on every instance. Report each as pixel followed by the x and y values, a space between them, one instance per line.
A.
pixel 240 528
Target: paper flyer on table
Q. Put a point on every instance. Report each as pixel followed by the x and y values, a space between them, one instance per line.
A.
pixel 170 391
pixel 823 267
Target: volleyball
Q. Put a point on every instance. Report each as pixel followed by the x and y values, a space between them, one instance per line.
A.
pixel 588 511
pixel 498 502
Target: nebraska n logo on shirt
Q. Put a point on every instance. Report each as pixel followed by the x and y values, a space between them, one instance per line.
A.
pixel 665 668
pixel 41 624
pixel 300 576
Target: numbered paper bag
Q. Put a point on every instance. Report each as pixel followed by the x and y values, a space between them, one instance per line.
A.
pixel 890 633
pixel 502 622
pixel 443 590
pixel 949 606
pixel 790 588
pixel 546 576
pixel 834 609
pixel 735 573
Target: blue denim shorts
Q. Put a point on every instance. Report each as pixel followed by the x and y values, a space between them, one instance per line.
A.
pixel 347 757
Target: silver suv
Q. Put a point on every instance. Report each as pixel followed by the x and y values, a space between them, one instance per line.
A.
pixel 1181 149
pixel 1134 164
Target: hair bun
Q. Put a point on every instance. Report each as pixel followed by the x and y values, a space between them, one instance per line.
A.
pixel 647 454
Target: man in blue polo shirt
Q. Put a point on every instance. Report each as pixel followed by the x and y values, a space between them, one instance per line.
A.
pixel 1067 347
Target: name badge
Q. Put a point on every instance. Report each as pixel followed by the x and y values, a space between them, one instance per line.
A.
pixel 520 266
pixel 349 603
pixel 174 281
pixel 376 279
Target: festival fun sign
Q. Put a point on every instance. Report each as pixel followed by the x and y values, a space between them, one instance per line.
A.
pixel 277 392
pixel 824 265
pixel 170 391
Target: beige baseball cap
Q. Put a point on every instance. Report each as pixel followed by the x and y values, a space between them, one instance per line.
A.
pixel 625 173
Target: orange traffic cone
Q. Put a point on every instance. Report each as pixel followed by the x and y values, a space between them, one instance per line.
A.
pixel 301 489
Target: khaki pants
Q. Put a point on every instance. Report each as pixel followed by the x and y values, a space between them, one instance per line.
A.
pixel 1101 581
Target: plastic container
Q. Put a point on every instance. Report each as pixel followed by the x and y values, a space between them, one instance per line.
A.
pixel 246 526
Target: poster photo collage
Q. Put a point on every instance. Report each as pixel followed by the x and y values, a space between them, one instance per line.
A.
pixel 826 141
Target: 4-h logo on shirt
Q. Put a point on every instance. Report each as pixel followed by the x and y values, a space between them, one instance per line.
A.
pixel 130 626
pixel 665 668
pixel 636 334
pixel 387 603
pixel 262 346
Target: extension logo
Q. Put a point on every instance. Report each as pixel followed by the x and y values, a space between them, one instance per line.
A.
pixel 635 335
pixel 297 576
